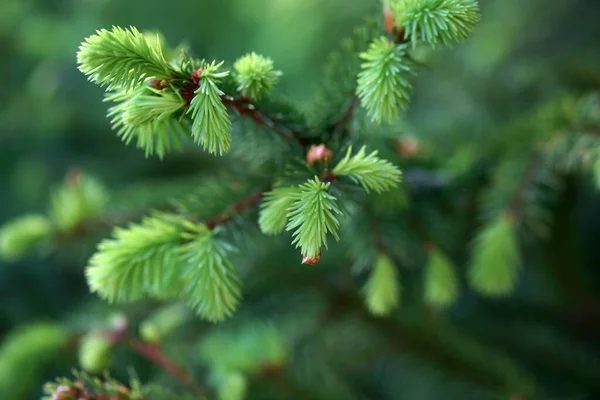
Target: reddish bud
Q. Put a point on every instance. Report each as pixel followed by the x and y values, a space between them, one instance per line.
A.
pixel 389 20
pixel 196 75
pixel 408 147
pixel 159 84
pixel 318 153
pixel 310 261
pixel 64 392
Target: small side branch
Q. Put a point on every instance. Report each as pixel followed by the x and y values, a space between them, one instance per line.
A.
pixel 342 124
pixel 237 208
pixel 247 109
pixel 154 354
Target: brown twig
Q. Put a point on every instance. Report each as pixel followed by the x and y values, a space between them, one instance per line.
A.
pixel 154 354
pixel 120 334
pixel 234 210
pixel 343 122
pixel 245 108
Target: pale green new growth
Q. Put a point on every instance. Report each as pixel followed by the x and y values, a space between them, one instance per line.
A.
pixel 139 261
pixel 162 322
pixel 19 236
pixel 313 215
pixel 74 202
pixel 95 352
pixel 274 209
pixel 151 105
pixel 121 58
pixel 370 171
pixel 26 353
pixel 147 116
pixel 245 349
pixel 436 21
pixel 382 84
pixel 441 284
pixel 255 75
pixel 211 283
pixel 496 260
pixel 211 126
pixel 382 290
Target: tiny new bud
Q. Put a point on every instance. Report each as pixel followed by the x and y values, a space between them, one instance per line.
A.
pixel 64 392
pixel 196 75
pixel 408 147
pixel 311 261
pixel 389 20
pixel 318 153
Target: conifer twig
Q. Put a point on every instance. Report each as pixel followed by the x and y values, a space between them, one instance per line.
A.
pixel 342 124
pixel 237 208
pixel 154 354
pixel 246 108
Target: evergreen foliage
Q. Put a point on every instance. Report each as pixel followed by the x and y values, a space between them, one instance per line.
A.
pixel 496 260
pixel 383 84
pixel 139 261
pixel 95 352
pixel 255 75
pixel 121 58
pixel 436 21
pixel 26 353
pixel 211 284
pixel 382 290
pixel 274 209
pixel 21 235
pixel 441 283
pixel 312 215
pixel 505 173
pixel 370 171
pixel 211 126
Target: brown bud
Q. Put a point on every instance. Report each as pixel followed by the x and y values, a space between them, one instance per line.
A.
pixel 389 19
pixel 318 153
pixel 311 261
pixel 64 392
pixel 408 147
pixel 196 75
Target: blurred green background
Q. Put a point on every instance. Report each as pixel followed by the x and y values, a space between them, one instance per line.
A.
pixel 523 53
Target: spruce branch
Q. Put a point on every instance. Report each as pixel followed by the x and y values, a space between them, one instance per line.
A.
pixel 382 290
pixel 370 171
pixel 211 126
pixel 122 58
pixel 211 283
pixel 139 261
pixel 246 108
pixel 436 21
pixel 441 283
pixel 495 263
pixel 312 216
pixel 383 87
pixel 274 209
pixel 148 116
pixel 255 75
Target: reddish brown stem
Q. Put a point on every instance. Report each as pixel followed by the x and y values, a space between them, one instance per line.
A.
pixel 236 209
pixel 343 122
pixel 243 107
pixel 154 354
